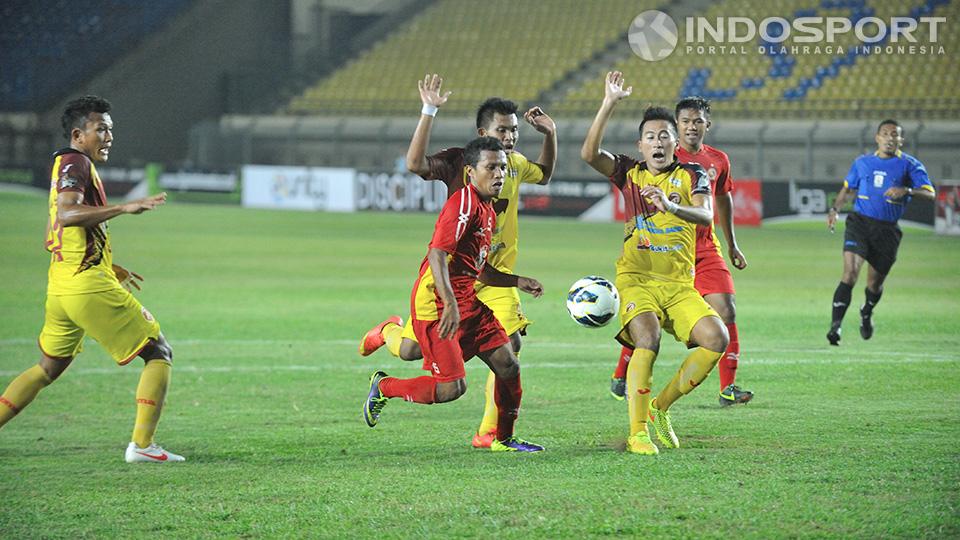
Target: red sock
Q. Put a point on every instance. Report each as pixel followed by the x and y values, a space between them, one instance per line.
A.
pixel 727 367
pixel 621 371
pixel 419 389
pixel 506 394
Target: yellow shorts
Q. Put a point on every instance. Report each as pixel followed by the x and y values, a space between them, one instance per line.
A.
pixel 504 302
pixel 114 318
pixel 678 306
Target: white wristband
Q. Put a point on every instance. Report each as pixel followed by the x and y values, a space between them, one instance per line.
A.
pixel 429 110
pixel 670 206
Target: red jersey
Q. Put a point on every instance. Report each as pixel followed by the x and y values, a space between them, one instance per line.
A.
pixel 717 165
pixel 463 230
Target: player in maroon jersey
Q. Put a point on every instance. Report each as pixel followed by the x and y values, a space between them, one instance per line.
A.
pixel 713 280
pixel 451 324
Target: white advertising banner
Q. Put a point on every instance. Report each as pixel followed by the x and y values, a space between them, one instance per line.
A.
pixel 299 188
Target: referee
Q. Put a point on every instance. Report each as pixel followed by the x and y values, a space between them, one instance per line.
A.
pixel 884 182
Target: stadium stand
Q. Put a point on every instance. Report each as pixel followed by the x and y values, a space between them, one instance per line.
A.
pixel 809 82
pixel 39 58
pixel 525 47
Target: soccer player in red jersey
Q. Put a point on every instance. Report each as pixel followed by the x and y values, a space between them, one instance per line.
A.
pixel 86 293
pixel 713 280
pixel 498 118
pixel 451 324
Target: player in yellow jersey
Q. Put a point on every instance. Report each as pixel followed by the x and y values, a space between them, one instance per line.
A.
pixel 497 118
pixel 86 292
pixel 664 201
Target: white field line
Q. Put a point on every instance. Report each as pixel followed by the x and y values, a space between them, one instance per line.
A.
pixel 528 344
pixel 600 363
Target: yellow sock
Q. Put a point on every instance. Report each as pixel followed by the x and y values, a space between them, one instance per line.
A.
pixel 489 421
pixel 151 393
pixel 639 381
pixel 392 338
pixel 692 372
pixel 22 391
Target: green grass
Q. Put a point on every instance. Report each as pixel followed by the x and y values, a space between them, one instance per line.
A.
pixel 264 310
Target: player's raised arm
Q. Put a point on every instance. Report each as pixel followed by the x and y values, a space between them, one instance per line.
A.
pixel 598 158
pixel 547 160
pixel 432 100
pixel 71 212
pixel 450 319
pixel 490 275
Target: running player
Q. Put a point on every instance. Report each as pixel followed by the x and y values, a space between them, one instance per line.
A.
pixel 713 279
pixel 451 324
pixel 86 292
pixel 497 118
pixel 885 182
pixel 664 200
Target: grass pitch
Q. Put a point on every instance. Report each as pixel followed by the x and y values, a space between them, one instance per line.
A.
pixel 264 310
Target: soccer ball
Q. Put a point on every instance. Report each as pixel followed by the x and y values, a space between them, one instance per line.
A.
pixel 593 301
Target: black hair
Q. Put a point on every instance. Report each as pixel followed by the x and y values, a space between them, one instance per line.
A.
pixel 658 113
pixel 75 115
pixel 696 103
pixel 494 105
pixel 889 122
pixel 471 154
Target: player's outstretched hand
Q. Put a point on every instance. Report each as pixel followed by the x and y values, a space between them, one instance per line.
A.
pixel 655 195
pixel 614 87
pixel 430 90
pixel 127 278
pixel 540 120
pixel 142 205
pixel 449 321
pixel 737 258
pixel 530 286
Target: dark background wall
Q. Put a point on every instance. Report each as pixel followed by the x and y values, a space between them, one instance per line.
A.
pixel 190 72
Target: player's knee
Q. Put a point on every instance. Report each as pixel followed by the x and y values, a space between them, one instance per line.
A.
pixel 716 338
pixel 410 350
pixel 53 367
pixel 450 391
pixel 647 341
pixel 158 349
pixel 508 370
pixel 728 311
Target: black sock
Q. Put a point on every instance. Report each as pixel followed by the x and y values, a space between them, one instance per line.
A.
pixel 841 301
pixel 872 298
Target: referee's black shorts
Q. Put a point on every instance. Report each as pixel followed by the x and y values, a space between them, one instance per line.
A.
pixel 874 240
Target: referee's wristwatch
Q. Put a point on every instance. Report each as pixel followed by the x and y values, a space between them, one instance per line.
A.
pixel 834 210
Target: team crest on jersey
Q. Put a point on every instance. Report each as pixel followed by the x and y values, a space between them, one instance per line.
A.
pixel 712 172
pixel 674 197
pixel 67 182
pixel 147 315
